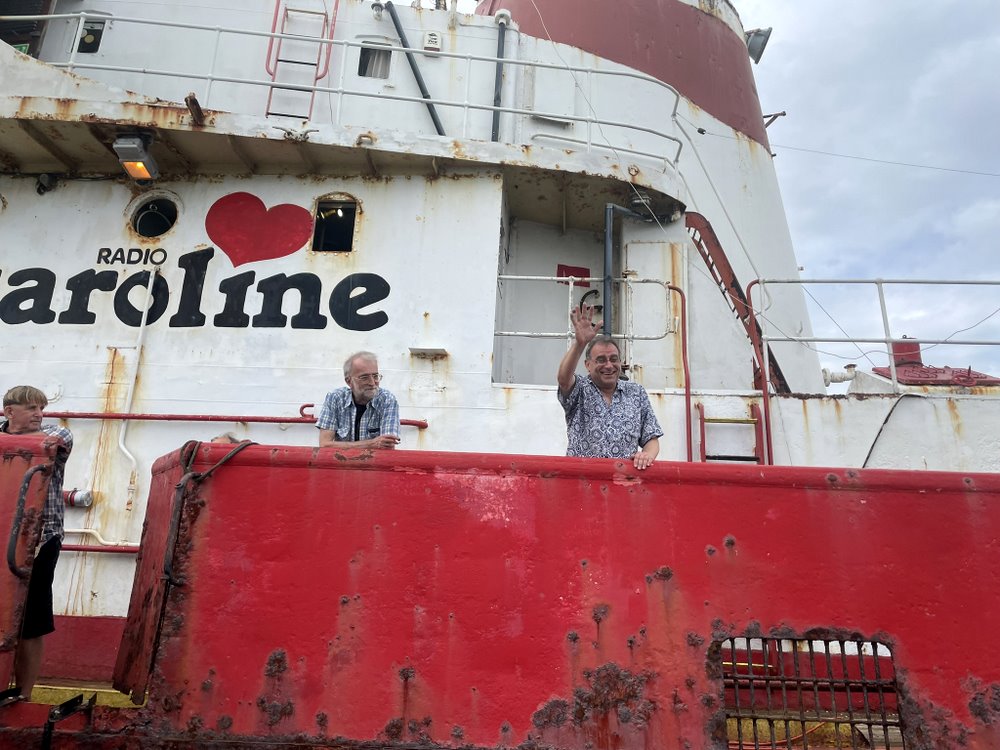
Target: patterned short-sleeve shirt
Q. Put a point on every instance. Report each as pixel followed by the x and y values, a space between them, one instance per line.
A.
pixel 55 507
pixel 381 416
pixel 598 429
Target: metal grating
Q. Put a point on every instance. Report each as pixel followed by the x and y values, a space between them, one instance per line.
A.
pixel 809 693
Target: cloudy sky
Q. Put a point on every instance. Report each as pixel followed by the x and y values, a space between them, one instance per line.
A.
pixel 897 81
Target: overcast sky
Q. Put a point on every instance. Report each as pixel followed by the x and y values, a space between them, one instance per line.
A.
pixel 902 81
pixel 899 81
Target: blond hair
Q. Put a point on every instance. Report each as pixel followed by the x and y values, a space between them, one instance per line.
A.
pixel 25 395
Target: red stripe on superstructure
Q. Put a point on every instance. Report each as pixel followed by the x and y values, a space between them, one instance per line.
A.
pixel 679 44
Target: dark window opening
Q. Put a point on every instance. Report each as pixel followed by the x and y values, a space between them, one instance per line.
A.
pixel 334 232
pixel 817 693
pixel 374 62
pixel 155 217
pixel 90 41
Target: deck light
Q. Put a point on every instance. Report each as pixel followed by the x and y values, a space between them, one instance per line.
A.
pixel 377 10
pixel 133 153
pixel 756 42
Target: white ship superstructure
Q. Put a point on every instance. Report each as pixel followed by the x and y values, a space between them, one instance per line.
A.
pixel 310 200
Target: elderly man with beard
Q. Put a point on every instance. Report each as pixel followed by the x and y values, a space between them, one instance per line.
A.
pixel 359 415
pixel 606 417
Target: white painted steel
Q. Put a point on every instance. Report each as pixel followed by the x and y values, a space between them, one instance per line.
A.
pixel 447 222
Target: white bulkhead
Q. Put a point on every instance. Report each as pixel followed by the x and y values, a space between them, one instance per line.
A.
pixel 250 314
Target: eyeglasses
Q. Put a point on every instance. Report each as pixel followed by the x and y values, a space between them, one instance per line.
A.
pixel 369 377
pixel 613 359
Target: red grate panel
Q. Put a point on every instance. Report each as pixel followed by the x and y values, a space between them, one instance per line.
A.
pixel 802 693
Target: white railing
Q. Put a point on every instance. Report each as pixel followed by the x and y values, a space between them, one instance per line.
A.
pixel 342 91
pixel 570 282
pixel 888 339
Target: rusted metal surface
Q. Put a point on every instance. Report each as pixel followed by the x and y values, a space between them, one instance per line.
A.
pixel 917 374
pixel 18 456
pixel 149 590
pixel 488 601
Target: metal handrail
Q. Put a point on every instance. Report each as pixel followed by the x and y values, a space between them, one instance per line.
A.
pixel 72 63
pixel 887 340
pixel 571 281
pixel 668 288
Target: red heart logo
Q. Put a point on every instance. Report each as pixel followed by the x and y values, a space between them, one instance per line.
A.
pixel 246 231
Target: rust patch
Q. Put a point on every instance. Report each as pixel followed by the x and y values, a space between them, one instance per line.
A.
pixel 663 573
pixel 555 713
pixel 984 704
pixel 274 710
pixel 600 613
pixel 277 663
pixel 694 640
pixel 394 730
pixel 612 689
pixel 417 730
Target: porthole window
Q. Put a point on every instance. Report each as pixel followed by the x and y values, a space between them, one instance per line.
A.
pixel 334 232
pixel 154 217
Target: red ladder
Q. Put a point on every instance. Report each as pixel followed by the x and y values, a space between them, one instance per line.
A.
pixel 293 63
pixel 710 248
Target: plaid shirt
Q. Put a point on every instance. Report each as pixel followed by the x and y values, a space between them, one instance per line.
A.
pixel 381 416
pixel 55 508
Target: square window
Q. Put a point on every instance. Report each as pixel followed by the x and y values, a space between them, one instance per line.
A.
pixel 334 230
pixel 374 62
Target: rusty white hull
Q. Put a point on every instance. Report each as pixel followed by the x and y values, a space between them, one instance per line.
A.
pixel 245 318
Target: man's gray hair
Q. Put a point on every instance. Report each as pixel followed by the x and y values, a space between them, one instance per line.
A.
pixel 349 362
pixel 601 340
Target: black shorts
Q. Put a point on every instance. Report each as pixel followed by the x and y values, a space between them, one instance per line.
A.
pixel 38 620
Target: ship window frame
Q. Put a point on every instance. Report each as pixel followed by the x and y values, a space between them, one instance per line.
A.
pixel 164 204
pixel 94 28
pixel 335 223
pixel 374 60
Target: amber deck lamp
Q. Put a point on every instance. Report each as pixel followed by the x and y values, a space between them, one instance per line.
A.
pixel 133 153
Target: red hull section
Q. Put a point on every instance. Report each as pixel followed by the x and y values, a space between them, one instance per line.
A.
pixel 689 48
pixel 23 486
pixel 459 600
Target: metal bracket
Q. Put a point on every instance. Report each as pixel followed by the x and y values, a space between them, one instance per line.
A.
pixel 10 696
pixel 64 710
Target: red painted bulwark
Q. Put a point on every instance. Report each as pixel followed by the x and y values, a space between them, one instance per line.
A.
pixel 17 456
pixel 409 599
pixel 459 598
pixel 82 648
pixel 680 44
